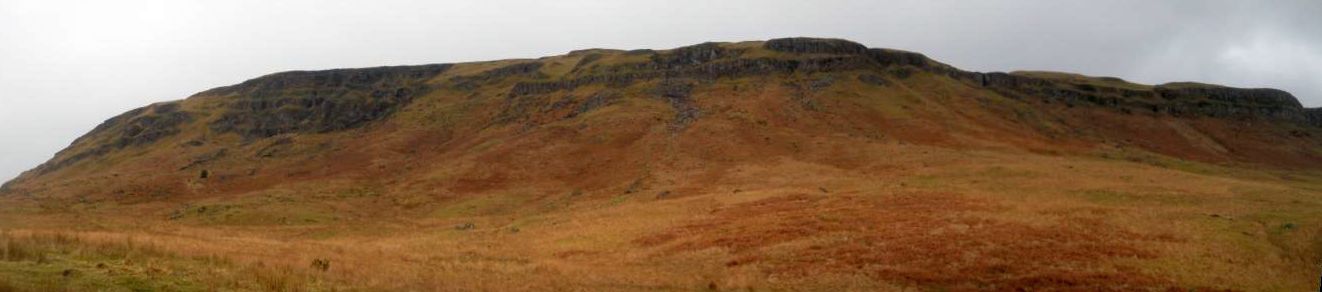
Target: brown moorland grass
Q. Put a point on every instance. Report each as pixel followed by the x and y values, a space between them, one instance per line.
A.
pixel 983 221
pixel 795 181
pixel 83 261
pixel 924 239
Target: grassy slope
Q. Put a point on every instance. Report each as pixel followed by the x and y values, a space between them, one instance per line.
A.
pixel 980 219
pixel 912 184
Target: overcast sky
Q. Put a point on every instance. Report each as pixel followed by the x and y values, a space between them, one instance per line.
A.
pixel 65 66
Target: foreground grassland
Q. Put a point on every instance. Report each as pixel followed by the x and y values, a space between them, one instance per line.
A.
pixel 81 261
pixel 921 218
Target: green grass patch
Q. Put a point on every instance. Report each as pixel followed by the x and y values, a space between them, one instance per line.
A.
pixel 1117 197
pixel 269 209
pixel 68 262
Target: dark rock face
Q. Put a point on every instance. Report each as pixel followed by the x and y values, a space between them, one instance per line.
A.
pixel 732 68
pixel 896 57
pixel 1004 80
pixel 137 127
pixel 815 46
pixel 258 118
pixel 1030 88
pixel 692 55
pixel 680 96
pixel 281 83
pixel 1256 96
pixel 1172 99
pixel 320 101
pixel 640 52
pixel 1313 116
pixel 711 61
pixel 7 188
pixel 1219 101
pixel 843 47
pixel 593 102
pixel 162 121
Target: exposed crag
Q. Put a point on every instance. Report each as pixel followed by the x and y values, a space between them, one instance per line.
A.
pixel 137 127
pixel 1314 116
pixel 318 101
pixel 1180 99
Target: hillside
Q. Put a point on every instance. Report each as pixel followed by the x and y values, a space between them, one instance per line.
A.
pixel 787 163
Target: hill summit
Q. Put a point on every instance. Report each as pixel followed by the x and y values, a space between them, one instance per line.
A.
pixel 711 103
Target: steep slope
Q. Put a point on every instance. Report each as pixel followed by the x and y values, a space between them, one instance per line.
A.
pixel 749 164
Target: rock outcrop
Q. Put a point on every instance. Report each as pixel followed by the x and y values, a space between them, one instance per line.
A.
pixel 816 46
pixel 7 187
pixel 693 55
pixel 1178 99
pixel 711 61
pixel 1313 116
pixel 137 127
pixel 319 101
pixel 679 94
pixel 1218 101
pixel 288 102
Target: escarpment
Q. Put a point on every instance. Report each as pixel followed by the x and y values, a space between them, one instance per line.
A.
pixel 288 102
pixel 1218 101
pixel 319 101
pixel 710 61
pixel 1176 99
pixel 749 90
pixel 816 46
